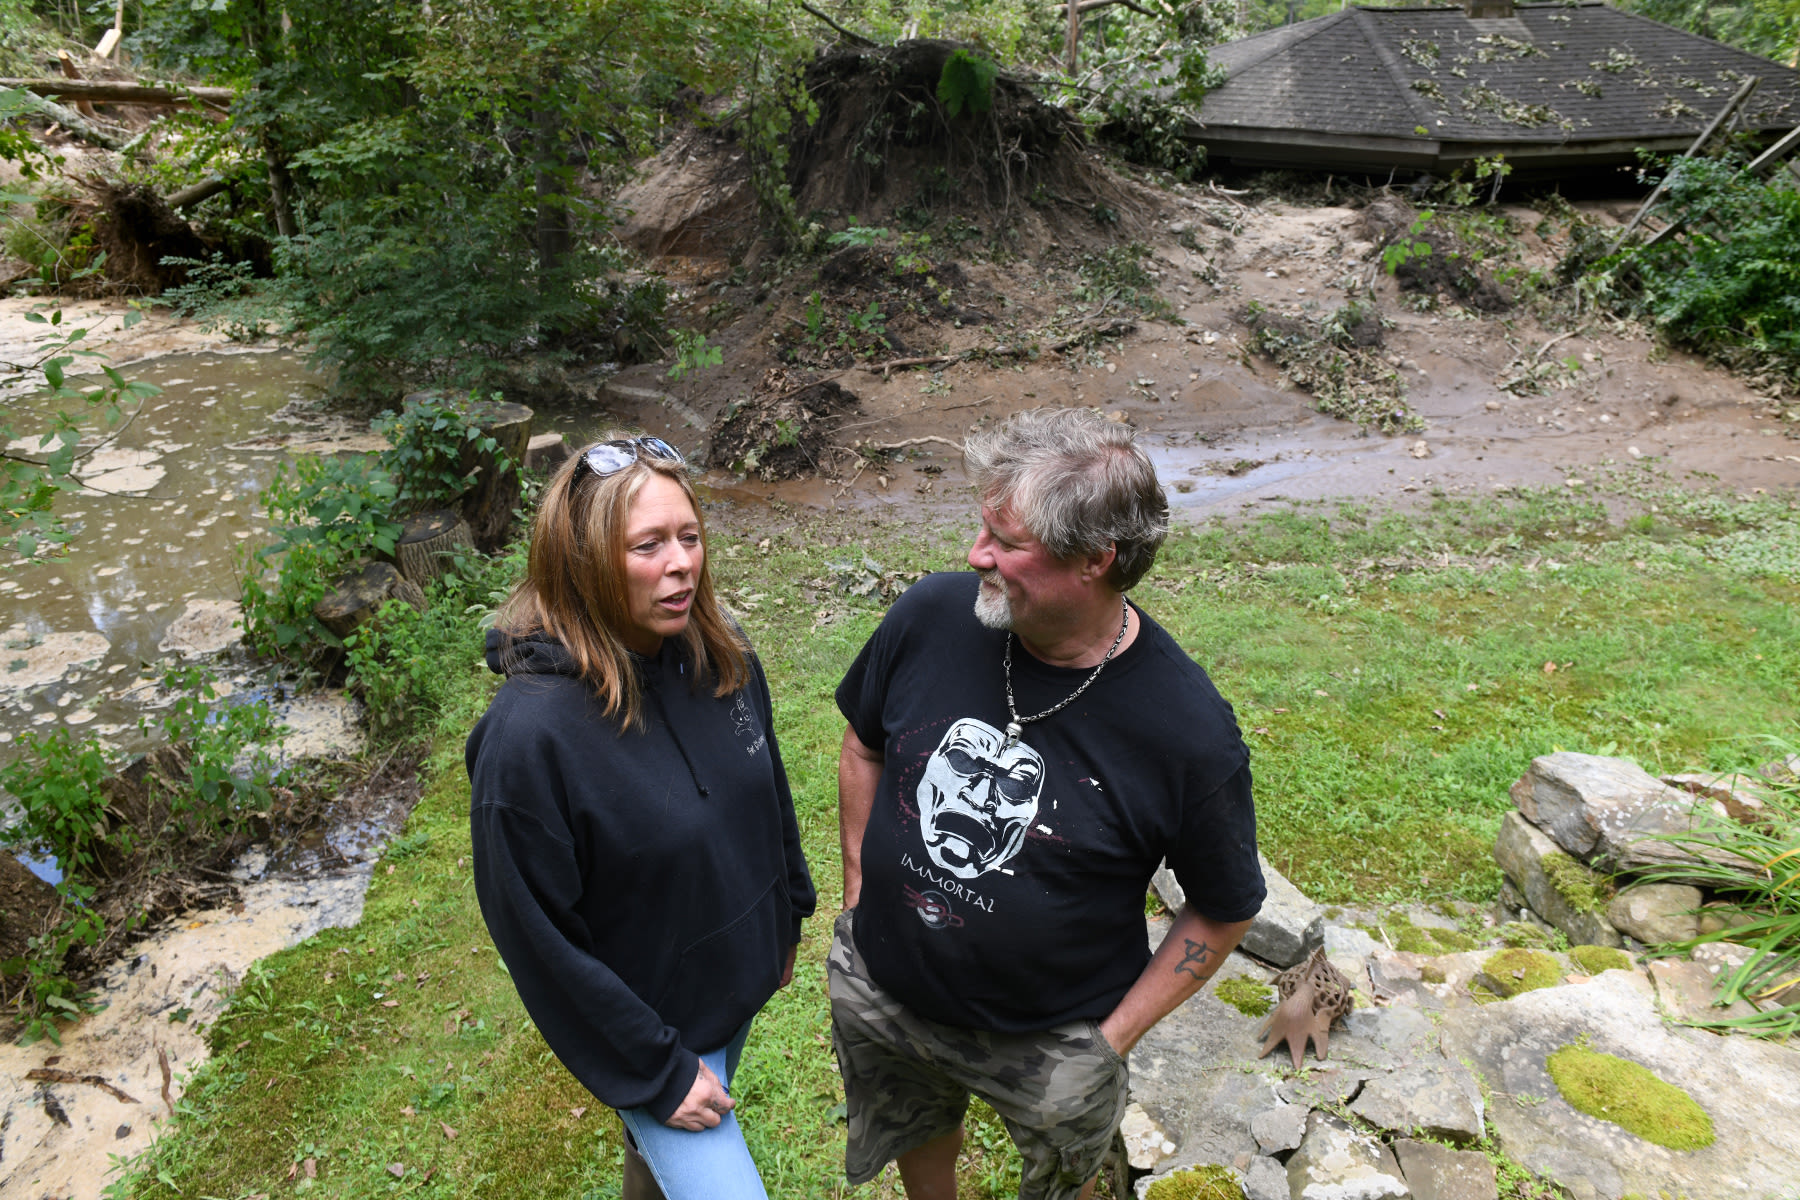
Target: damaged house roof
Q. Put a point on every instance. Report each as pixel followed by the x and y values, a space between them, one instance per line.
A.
pixel 1553 87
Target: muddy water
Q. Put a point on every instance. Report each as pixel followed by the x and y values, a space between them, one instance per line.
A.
pixel 151 569
pixel 56 1139
pixel 150 577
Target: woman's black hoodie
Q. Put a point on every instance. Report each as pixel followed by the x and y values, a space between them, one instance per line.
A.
pixel 643 886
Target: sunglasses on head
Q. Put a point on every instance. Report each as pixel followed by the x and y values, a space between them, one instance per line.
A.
pixel 609 458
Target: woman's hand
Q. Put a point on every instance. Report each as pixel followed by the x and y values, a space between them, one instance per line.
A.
pixel 706 1103
pixel 787 972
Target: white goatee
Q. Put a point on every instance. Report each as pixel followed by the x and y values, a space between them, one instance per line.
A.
pixel 991 605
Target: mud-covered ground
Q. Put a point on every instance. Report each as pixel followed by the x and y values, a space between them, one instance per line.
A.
pixel 1517 396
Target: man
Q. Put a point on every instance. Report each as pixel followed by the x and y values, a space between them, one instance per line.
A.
pixel 1024 746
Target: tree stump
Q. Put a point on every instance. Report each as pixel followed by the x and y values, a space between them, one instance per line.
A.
pixel 428 542
pixel 488 505
pixel 546 452
pixel 356 597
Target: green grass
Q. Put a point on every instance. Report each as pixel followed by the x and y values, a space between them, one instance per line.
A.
pixel 1427 634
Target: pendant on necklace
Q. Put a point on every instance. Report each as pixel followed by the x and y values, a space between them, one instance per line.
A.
pixel 1013 731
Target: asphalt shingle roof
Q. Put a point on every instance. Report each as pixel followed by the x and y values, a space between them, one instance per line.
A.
pixel 1555 73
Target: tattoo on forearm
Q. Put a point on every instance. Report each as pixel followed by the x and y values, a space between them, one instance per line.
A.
pixel 1200 961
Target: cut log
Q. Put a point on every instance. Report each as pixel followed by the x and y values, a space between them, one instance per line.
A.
pixel 488 505
pixel 429 543
pixel 546 452
pixel 356 597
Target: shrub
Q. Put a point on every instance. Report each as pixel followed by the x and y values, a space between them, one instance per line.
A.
pixel 327 514
pixel 1733 280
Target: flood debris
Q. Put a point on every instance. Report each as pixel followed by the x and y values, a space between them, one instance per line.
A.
pixel 785 429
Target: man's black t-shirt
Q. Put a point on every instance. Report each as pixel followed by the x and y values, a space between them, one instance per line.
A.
pixel 1003 889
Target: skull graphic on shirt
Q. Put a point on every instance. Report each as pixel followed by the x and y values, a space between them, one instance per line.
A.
pixel 977 798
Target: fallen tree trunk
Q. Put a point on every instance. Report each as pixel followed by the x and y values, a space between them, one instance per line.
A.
pixel 80 126
pixel 108 91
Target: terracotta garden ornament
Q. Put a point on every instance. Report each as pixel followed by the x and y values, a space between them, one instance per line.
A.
pixel 1313 995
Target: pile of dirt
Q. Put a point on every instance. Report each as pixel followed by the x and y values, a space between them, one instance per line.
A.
pixel 1445 268
pixel 784 430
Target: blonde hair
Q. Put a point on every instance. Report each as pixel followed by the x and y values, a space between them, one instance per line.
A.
pixel 574 587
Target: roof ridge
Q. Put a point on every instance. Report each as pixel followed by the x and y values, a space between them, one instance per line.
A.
pixel 1391 61
pixel 1276 45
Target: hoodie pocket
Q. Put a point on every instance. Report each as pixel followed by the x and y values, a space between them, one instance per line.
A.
pixel 733 970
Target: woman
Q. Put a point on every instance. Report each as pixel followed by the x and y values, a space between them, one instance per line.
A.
pixel 636 854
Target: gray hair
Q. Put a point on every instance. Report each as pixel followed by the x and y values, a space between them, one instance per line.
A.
pixel 1078 482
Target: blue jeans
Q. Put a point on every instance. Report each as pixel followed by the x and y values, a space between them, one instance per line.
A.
pixel 713 1164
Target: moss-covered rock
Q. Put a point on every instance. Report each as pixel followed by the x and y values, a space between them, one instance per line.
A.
pixel 1514 972
pixel 1595 959
pixel 1630 1096
pixel 1585 889
pixel 1248 996
pixel 1522 933
pixel 1198 1183
pixel 1398 930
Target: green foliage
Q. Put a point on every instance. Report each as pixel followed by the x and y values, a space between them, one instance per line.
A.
pixel 1770 28
pixel 857 235
pixel 221 296
pixel 223 785
pixel 1403 250
pixel 324 515
pixel 693 353
pixel 1335 358
pixel 1734 278
pixel 56 780
pixel 1631 1096
pixel 327 514
pixel 434 446
pixel 63 808
pixel 409 666
pixel 17 146
pixel 30 481
pixel 966 83
pixel 1120 274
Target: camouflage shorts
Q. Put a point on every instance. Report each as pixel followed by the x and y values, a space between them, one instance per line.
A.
pixel 907 1080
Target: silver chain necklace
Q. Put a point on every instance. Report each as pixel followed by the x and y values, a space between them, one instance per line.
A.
pixel 1016 727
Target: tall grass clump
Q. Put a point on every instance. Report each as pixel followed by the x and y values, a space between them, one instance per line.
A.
pixel 1765 900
